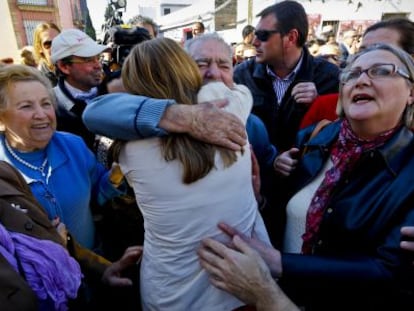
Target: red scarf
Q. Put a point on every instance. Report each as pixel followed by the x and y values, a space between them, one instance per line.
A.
pixel 344 155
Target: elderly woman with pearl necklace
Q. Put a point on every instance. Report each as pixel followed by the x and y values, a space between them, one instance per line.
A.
pixel 61 171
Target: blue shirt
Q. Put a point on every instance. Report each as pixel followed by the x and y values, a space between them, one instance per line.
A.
pixel 73 181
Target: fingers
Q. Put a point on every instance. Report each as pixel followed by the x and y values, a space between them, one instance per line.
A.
pixel 286 162
pixel 408 231
pixel 242 246
pixel 408 235
pixel 130 257
pixel 218 127
pixel 230 231
pixel 409 246
pixel 304 92
pixel 255 163
pixel 220 103
pixel 294 153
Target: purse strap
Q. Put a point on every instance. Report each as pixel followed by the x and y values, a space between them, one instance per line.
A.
pixel 319 127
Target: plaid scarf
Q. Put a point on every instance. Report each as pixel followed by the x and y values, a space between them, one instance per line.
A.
pixel 344 155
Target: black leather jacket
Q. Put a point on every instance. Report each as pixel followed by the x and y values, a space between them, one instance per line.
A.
pixel 357 263
pixel 282 122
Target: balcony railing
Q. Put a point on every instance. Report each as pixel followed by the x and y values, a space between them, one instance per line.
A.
pixel 35 2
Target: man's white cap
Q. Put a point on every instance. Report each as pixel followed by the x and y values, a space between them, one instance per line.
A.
pixel 75 42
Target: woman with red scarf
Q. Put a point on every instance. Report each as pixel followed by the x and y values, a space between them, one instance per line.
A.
pixel 350 195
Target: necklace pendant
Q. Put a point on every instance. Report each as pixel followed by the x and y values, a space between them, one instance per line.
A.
pixel 42 171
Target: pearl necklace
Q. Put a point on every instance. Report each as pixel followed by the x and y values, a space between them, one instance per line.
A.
pixel 41 168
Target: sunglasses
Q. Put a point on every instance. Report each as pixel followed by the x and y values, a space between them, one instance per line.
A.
pixel 264 35
pixel 47 44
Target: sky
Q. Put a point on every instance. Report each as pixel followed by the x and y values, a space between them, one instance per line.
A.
pixel 97 11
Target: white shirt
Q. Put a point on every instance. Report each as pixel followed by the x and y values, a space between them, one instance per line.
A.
pixel 178 216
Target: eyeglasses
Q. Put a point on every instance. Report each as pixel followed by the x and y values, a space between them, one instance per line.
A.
pixel 377 71
pixel 85 60
pixel 264 35
pixel 47 44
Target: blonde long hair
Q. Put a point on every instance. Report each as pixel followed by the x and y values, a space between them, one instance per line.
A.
pixel 37 42
pixel 160 68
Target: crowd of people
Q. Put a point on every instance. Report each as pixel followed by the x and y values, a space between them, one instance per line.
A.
pixel 269 175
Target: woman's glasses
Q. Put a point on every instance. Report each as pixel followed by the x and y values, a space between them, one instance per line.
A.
pixel 47 44
pixel 264 35
pixel 376 71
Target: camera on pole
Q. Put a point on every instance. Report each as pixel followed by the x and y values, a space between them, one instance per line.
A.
pixel 119 36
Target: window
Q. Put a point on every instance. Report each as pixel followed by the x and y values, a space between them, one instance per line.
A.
pixel 167 11
pixel 32 2
pixel 29 27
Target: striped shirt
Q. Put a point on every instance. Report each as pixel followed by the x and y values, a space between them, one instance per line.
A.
pixel 280 85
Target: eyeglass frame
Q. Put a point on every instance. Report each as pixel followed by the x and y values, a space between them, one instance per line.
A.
pixel 395 71
pixel 84 60
pixel 263 35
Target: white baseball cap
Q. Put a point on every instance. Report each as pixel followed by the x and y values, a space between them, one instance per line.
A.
pixel 75 42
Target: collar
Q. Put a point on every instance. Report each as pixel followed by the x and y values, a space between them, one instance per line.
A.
pixel 291 76
pixel 79 94
pixel 394 152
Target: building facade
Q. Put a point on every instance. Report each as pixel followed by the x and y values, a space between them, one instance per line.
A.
pixel 19 18
pixel 228 17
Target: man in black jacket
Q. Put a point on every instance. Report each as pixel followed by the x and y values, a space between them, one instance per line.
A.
pixel 284 78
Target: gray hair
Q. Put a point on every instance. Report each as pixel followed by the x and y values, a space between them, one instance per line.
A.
pixel 408 64
pixel 189 44
pixel 10 74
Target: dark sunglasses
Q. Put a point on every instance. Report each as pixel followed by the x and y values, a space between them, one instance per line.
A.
pixel 47 44
pixel 264 35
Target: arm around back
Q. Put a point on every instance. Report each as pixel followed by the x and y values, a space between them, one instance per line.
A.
pixel 125 116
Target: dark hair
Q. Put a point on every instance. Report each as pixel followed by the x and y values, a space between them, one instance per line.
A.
pixel 200 24
pixel 140 20
pixel 403 26
pixel 290 15
pixel 247 30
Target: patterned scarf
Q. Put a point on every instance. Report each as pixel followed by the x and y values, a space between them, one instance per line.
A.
pixel 344 155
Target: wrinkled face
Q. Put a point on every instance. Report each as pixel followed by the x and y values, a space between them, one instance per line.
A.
pixel 381 35
pixel 267 51
pixel 376 103
pixel 83 73
pixel 214 61
pixel 46 38
pixel 29 120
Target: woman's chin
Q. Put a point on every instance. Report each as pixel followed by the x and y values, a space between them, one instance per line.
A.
pixel 360 113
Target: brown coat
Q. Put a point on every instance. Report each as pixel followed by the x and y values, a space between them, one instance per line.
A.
pixel 20 212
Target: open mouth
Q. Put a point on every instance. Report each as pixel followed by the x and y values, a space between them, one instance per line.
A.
pixel 361 98
pixel 40 126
